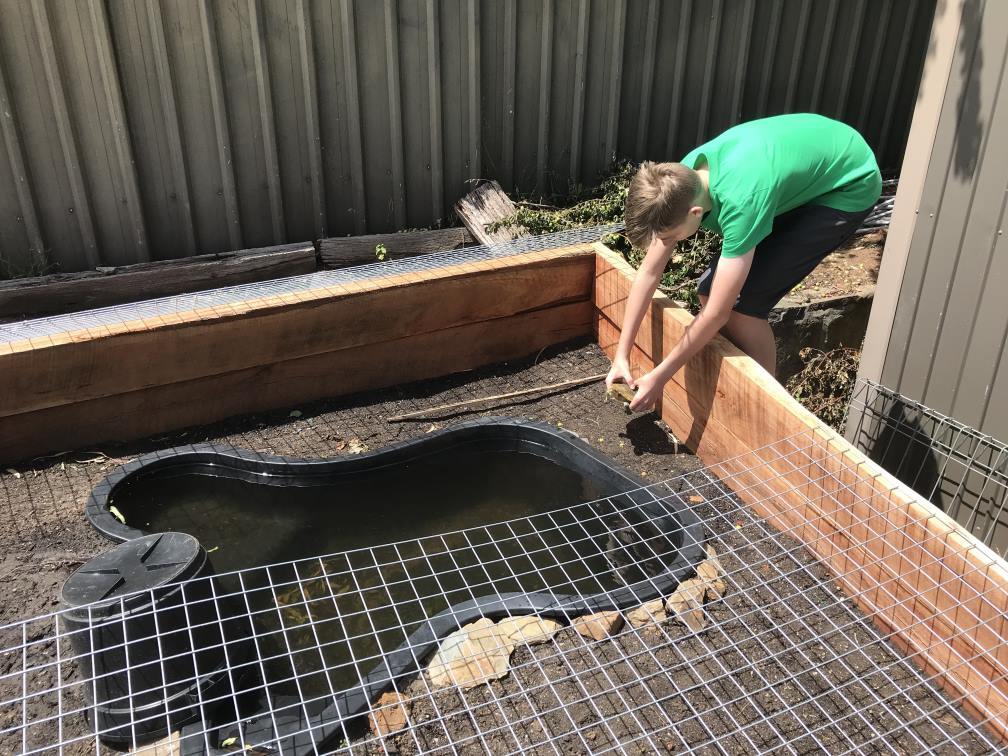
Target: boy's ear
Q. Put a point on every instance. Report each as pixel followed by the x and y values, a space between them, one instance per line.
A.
pixel 697 211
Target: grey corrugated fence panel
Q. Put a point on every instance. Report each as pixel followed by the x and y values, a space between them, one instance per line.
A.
pixel 145 128
pixel 946 348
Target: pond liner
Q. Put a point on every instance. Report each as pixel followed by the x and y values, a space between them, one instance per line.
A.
pixel 345 716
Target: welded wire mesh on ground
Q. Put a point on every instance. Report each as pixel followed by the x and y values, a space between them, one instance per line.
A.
pixel 787 662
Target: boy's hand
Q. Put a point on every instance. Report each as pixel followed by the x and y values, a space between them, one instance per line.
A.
pixel 649 392
pixel 620 373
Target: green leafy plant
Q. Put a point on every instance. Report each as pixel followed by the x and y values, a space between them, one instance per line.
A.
pixel 581 207
pixel 380 252
pixel 604 205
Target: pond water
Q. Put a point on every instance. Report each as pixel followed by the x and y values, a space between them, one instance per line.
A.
pixel 406 541
pixel 249 524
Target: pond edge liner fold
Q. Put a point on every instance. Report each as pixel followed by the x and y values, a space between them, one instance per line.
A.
pixel 350 707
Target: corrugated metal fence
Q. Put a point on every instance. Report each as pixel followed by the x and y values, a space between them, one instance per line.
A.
pixel 142 129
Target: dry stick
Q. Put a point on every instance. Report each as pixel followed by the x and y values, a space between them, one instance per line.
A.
pixel 674 289
pixel 523 392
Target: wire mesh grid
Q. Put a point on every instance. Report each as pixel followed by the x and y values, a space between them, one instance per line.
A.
pixel 787 661
pixel 958 469
pixel 152 308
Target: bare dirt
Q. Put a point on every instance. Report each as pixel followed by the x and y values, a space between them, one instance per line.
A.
pixel 852 269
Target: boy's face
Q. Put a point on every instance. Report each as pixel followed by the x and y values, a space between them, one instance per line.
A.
pixel 684 230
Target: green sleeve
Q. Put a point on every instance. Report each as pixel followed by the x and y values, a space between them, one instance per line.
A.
pixel 745 225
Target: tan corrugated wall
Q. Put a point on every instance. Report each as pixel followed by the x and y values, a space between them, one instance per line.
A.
pixel 939 323
pixel 143 129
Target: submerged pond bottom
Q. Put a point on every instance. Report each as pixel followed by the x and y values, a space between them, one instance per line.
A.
pixel 487 519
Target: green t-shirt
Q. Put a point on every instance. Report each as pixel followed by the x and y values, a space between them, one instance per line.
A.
pixel 763 168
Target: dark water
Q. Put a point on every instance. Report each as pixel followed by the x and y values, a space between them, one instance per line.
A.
pixel 249 524
pixel 340 613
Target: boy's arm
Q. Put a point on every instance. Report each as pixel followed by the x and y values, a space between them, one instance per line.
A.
pixel 644 285
pixel 728 280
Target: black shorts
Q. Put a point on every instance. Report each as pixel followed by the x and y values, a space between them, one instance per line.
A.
pixel 800 239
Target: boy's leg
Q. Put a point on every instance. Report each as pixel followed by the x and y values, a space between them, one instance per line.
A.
pixel 754 336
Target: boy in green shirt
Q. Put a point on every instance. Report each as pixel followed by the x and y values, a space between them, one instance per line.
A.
pixel 783 192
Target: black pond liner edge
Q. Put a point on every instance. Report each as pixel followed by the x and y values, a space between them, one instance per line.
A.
pixel 346 714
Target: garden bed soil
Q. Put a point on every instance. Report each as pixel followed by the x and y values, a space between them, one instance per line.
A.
pixel 45 537
pixel 748 678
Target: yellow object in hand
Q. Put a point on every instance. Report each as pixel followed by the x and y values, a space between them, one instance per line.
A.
pixel 624 392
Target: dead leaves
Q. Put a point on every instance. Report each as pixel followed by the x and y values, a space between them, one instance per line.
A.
pixel 353 446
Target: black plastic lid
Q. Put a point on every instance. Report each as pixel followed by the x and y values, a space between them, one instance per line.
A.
pixel 138 565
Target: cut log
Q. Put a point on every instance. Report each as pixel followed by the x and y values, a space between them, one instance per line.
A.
pixel 344 251
pixel 71 292
pixel 486 204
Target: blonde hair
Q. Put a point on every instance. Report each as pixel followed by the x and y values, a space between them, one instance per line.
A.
pixel 659 197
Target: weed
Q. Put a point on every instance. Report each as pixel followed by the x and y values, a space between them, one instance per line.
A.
pixel 825 384
pixel 35 267
pixel 604 205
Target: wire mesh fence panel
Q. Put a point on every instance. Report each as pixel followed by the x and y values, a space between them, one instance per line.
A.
pixel 805 648
pixel 960 470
